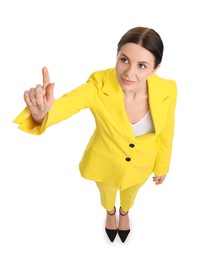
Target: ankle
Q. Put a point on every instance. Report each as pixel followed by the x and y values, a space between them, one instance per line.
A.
pixel 122 212
pixel 111 212
pixel 111 219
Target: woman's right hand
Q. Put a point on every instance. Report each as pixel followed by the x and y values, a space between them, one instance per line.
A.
pixel 39 100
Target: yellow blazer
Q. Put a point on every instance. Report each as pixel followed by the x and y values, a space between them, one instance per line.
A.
pixel 114 155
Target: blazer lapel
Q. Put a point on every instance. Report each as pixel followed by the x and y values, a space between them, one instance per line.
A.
pixel 113 99
pixel 158 100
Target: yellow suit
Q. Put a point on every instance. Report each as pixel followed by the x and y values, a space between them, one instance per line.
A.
pixel 114 155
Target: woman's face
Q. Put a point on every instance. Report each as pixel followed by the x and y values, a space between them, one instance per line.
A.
pixel 134 65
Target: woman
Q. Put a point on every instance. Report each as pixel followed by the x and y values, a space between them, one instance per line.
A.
pixel 134 114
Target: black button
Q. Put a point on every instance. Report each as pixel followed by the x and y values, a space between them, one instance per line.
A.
pixel 131 145
pixel 127 159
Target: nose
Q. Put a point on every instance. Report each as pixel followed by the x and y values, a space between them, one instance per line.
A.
pixel 130 72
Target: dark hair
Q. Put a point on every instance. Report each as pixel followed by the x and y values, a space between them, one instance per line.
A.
pixel 147 38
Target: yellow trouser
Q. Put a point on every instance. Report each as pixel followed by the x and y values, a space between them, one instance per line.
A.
pixel 108 196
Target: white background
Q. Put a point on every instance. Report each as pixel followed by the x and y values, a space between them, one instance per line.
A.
pixel 47 211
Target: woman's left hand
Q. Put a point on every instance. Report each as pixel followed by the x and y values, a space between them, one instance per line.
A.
pixel 159 179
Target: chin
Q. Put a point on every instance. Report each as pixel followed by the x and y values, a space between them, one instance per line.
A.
pixel 127 88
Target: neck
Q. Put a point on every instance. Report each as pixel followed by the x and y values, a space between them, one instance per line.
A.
pixel 134 93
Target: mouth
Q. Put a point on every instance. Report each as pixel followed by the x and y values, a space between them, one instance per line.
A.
pixel 127 82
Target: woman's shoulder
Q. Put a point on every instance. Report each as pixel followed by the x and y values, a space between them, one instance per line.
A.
pixel 161 80
pixel 99 77
pixel 163 83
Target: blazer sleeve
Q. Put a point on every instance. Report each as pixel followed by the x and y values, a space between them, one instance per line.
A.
pixel 64 107
pixel 165 139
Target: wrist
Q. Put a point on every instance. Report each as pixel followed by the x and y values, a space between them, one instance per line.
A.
pixel 38 119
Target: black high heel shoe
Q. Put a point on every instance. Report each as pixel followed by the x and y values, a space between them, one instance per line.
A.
pixel 123 233
pixel 111 233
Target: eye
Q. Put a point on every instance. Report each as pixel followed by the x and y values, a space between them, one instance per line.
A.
pixel 142 66
pixel 124 60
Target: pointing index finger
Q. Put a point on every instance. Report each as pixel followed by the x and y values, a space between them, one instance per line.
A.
pixel 46 77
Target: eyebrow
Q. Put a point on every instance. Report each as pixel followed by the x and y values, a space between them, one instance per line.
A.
pixel 143 62
pixel 138 62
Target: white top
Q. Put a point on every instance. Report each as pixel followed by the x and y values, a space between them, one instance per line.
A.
pixel 144 125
